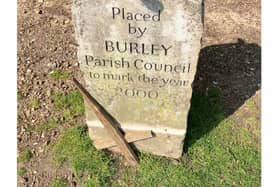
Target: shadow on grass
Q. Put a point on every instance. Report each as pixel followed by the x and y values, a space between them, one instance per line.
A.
pixel 227 75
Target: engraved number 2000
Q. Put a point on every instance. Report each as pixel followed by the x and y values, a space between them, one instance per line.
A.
pixel 138 93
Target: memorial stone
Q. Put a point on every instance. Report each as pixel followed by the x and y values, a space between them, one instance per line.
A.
pixel 139 59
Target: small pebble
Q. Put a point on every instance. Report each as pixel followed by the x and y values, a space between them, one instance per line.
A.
pixel 28 71
pixel 41 150
pixel 49 93
pixel 52 65
pixel 175 162
pixel 66 21
pixel 27 113
pixel 215 83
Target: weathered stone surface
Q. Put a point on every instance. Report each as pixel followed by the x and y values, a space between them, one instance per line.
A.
pixel 139 60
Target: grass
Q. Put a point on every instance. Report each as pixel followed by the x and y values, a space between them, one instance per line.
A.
pixel 49 125
pixel 218 153
pixel 19 95
pixel 29 128
pixel 88 164
pixel 58 182
pixel 21 172
pixel 35 104
pixel 72 104
pixel 204 115
pixel 59 75
pixel 25 156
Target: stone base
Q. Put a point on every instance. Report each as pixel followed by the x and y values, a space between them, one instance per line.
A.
pixel 166 141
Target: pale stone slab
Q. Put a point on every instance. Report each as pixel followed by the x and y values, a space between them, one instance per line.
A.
pixel 139 60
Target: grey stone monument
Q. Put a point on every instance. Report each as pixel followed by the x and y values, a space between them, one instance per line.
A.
pixel 139 60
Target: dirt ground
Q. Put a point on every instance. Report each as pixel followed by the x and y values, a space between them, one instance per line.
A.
pixel 229 60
